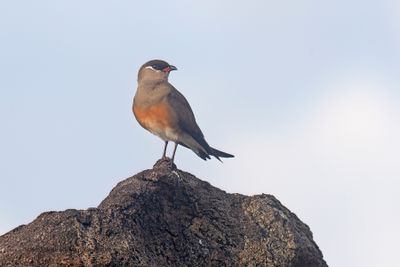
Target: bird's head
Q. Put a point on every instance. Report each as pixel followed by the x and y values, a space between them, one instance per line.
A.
pixel 155 70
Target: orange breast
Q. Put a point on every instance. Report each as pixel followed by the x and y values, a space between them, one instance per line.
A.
pixel 155 118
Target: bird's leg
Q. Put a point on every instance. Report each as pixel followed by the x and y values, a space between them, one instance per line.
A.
pixel 173 154
pixel 165 150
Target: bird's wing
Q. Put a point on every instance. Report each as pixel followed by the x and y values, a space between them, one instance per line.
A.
pixel 184 114
pixel 187 122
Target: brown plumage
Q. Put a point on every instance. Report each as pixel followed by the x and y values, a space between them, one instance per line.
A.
pixel 161 109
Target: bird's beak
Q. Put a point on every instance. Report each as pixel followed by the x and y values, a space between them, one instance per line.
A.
pixel 169 68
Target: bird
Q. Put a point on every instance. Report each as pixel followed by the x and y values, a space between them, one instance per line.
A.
pixel 162 110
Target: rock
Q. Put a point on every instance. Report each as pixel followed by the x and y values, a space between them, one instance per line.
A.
pixel 165 217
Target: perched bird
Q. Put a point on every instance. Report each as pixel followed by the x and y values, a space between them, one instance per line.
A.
pixel 165 112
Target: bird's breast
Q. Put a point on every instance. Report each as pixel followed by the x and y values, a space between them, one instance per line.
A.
pixel 158 119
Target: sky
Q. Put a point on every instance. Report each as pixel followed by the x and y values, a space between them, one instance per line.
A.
pixel 305 94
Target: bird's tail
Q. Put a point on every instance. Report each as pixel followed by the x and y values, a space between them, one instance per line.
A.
pixel 198 145
pixel 217 154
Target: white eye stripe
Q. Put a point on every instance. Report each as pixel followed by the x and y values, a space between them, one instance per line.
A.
pixel 150 67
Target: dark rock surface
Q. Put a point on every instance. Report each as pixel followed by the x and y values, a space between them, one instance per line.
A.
pixel 165 217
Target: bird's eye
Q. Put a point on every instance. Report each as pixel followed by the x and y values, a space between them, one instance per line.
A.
pixel 156 67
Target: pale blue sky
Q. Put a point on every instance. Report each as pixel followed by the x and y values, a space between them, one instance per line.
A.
pixel 306 94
